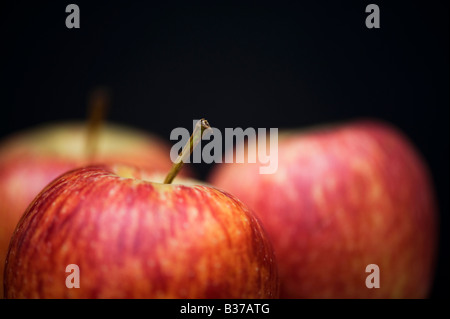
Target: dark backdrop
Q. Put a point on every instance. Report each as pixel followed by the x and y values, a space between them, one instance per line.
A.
pixel 260 65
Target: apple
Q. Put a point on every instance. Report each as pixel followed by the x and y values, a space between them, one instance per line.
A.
pixel 30 160
pixel 134 238
pixel 344 196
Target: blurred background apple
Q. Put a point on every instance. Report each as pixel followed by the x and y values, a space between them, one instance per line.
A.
pixel 344 197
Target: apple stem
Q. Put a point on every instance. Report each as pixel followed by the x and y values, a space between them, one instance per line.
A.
pixel 195 138
pixel 98 103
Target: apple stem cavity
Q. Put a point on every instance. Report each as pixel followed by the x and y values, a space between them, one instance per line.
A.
pixel 98 103
pixel 195 138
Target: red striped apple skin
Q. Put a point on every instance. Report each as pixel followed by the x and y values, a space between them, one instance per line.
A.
pixel 344 197
pixel 135 239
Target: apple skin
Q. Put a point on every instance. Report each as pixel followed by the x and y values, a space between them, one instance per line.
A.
pixel 136 239
pixel 31 159
pixel 343 197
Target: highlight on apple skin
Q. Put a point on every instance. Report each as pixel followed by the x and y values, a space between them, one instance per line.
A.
pixel 132 238
pixel 31 159
pixel 344 197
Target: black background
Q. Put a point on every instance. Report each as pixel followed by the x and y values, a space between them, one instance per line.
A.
pixel 249 65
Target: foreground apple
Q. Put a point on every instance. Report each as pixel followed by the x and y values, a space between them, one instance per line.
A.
pixel 344 197
pixel 134 238
pixel 31 159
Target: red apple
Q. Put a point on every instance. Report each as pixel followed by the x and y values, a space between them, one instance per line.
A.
pixel 31 159
pixel 344 197
pixel 133 238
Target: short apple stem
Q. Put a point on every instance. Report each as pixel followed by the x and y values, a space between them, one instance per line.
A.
pixel 195 138
pixel 98 103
